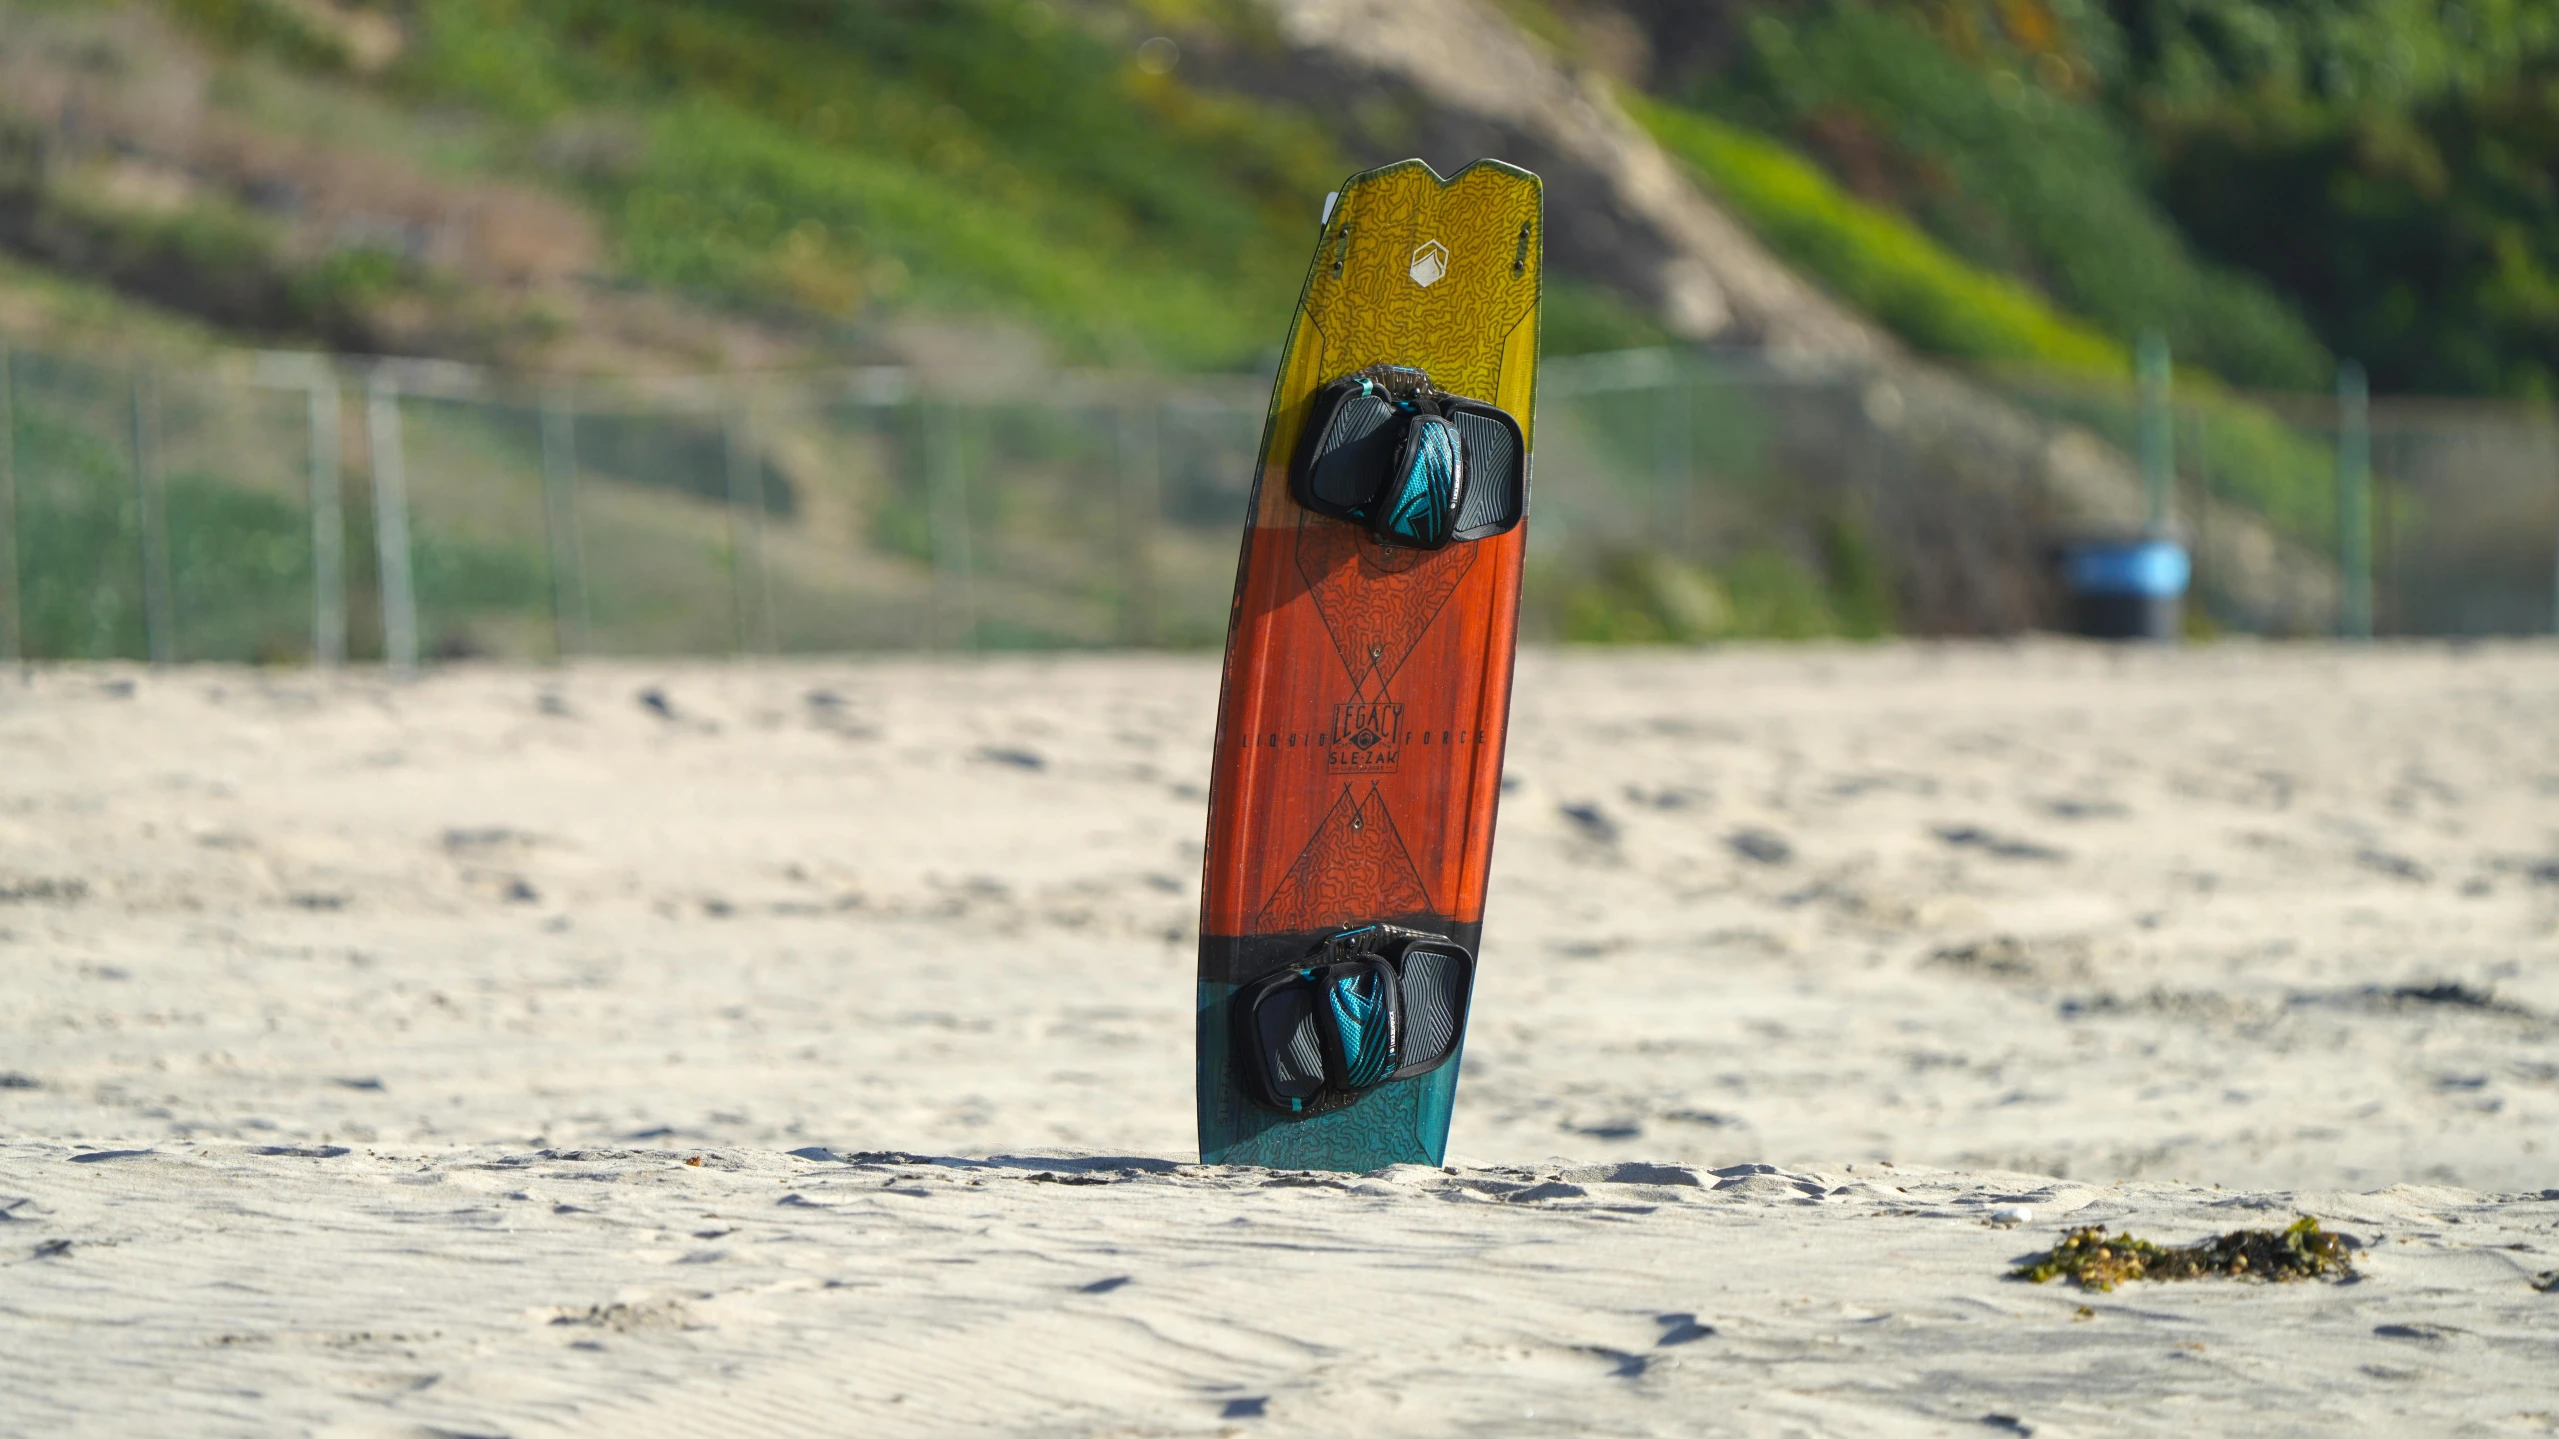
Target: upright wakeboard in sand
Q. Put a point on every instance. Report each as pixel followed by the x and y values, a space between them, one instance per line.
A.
pixel 1367 685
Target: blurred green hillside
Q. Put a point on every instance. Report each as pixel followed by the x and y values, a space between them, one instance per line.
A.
pixel 2269 182
pixel 818 169
pixel 2271 185
pixel 964 156
pixel 615 189
pixel 812 165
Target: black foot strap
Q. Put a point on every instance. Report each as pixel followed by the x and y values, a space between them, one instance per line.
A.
pixel 1416 466
pixel 1374 1004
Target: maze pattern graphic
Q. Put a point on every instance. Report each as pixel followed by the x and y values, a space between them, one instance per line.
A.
pixel 1375 601
pixel 1354 868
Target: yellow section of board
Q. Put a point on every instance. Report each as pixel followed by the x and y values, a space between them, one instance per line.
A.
pixel 1440 275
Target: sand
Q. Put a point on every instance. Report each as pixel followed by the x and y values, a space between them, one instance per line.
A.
pixel 357 1037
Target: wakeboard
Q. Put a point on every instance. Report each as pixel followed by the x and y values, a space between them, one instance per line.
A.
pixel 1367 685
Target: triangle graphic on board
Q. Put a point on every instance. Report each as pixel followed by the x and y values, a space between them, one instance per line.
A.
pixel 1353 869
pixel 1375 600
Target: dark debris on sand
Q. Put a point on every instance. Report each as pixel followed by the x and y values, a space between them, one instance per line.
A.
pixel 2092 1261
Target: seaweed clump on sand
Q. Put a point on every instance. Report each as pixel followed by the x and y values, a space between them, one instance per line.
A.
pixel 2093 1261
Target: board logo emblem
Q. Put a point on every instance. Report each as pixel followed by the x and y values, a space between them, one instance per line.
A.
pixel 1365 737
pixel 1429 263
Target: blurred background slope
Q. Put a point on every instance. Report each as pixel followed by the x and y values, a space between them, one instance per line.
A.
pixel 1861 284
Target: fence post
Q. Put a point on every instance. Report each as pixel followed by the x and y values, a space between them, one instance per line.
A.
pixel 2199 522
pixel 1141 505
pixel 746 529
pixel 954 567
pixel 2158 430
pixel 1875 407
pixel 560 516
pixel 12 641
pixel 1673 469
pixel 2354 503
pixel 159 611
pixel 2383 586
pixel 391 523
pixel 328 526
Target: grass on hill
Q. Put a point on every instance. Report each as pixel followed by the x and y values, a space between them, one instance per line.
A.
pixel 2003 153
pixel 846 163
pixel 1893 270
pixel 1875 259
pixel 981 155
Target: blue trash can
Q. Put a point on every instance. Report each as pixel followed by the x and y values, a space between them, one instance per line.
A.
pixel 2127 590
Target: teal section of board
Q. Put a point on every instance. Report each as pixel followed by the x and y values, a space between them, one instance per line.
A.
pixel 1404 1122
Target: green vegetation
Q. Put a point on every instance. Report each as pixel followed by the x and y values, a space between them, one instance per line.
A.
pixel 1577 317
pixel 2267 182
pixel 2244 453
pixel 1903 276
pixel 820 165
pixel 2386 164
pixel 2021 181
pixel 68 312
pixel 2092 1261
pixel 79 544
pixel 1643 596
pixel 839 164
pixel 266 25
pixel 2023 186
pixel 2009 166
pixel 239 559
pixel 209 257
pixel 1875 259
pixel 981 156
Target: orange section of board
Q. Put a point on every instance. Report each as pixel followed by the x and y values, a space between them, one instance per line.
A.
pixel 1359 750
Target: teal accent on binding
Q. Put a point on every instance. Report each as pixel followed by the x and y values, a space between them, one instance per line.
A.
pixel 1360 1016
pixel 1403 1121
pixel 1424 501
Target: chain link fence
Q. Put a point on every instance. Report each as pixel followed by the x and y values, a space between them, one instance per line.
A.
pixel 2440 516
pixel 286 508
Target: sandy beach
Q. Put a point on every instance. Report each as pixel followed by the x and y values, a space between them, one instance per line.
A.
pixel 806 1047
